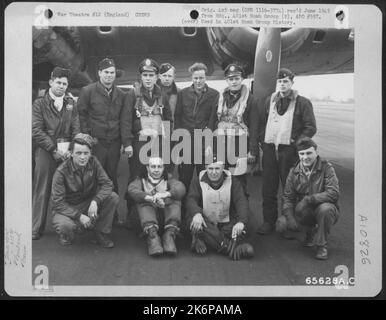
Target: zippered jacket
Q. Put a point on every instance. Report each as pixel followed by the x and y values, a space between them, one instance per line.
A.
pixel 49 124
pixel 72 186
pixel 322 186
pixel 196 113
pixel 303 124
pixel 103 117
pixel 238 210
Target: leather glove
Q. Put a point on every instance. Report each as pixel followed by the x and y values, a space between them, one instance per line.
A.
pixel 198 245
pixel 231 248
pixel 243 250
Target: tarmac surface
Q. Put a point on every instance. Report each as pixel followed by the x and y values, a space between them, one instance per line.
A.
pixel 277 261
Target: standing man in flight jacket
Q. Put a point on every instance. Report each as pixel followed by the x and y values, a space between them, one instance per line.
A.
pixel 195 110
pixel 286 117
pixel 105 114
pixel 54 120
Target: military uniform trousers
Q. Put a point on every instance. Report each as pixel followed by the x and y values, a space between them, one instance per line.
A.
pixel 108 154
pixel 186 170
pixel 66 225
pixel 150 215
pixel 323 215
pixel 214 234
pixel 275 167
pixel 45 166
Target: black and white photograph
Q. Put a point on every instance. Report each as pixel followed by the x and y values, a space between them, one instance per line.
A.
pixel 194 159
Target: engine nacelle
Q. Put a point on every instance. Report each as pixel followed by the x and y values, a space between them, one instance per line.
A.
pixel 239 44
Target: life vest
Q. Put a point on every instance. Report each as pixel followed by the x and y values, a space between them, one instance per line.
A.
pixel 231 119
pixel 216 203
pixel 150 116
pixel 162 186
pixel 279 127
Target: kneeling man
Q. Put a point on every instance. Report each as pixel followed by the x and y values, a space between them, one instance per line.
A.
pixel 310 197
pixel 158 200
pixel 217 213
pixel 82 195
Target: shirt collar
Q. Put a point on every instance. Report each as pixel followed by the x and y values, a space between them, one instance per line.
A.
pixel 53 97
pixel 233 95
pixel 292 95
pixel 57 100
pixel 74 168
pixel 317 166
pixel 306 171
pixel 156 91
pixel 108 91
pixel 205 89
pixel 153 181
pixel 206 179
pixel 168 90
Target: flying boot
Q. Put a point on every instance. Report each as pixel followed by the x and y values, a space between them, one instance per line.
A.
pixel 154 245
pixel 168 239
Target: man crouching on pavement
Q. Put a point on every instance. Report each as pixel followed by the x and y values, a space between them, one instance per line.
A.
pixel 158 198
pixel 310 197
pixel 82 195
pixel 217 213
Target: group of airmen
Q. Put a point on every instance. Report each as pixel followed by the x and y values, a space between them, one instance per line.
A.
pixel 78 144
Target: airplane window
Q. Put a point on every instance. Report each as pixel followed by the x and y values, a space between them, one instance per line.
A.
pixel 189 31
pixel 105 29
pixel 319 36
